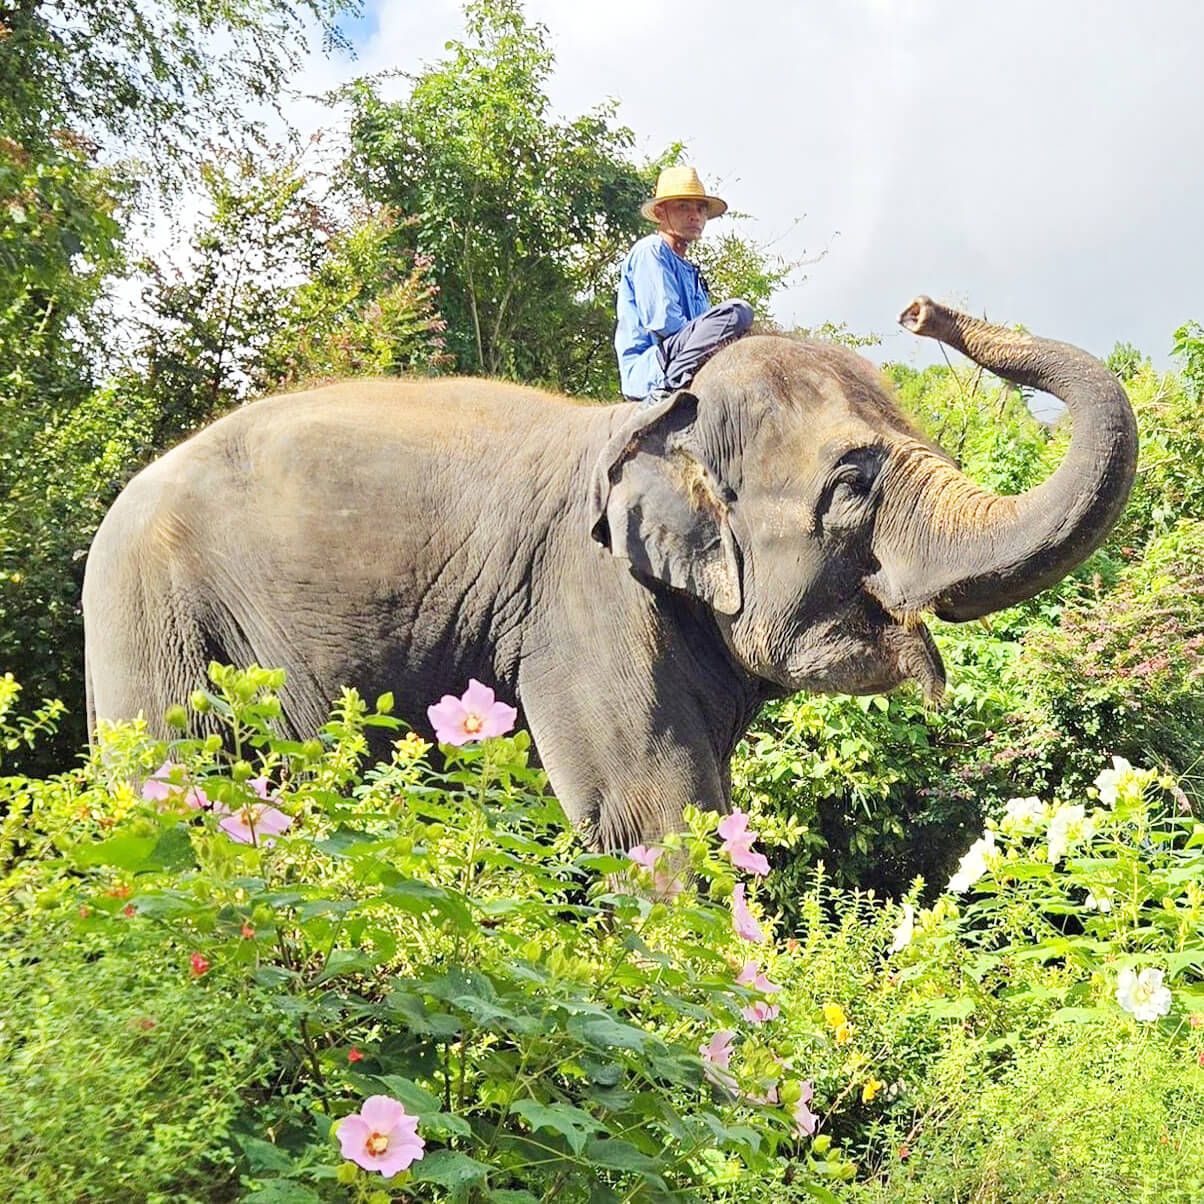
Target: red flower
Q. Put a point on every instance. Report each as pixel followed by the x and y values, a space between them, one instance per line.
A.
pixel 128 910
pixel 904 1152
pixel 84 912
pixel 246 932
pixel 120 891
pixel 354 1054
pixel 199 963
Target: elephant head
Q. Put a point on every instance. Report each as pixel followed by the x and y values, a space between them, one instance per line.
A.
pixel 788 492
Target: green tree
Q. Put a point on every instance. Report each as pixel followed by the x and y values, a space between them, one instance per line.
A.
pixel 736 266
pixel 88 90
pixel 146 79
pixel 212 318
pixel 523 216
pixel 361 312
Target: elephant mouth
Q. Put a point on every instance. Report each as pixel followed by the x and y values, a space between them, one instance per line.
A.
pixel 868 650
pixel 909 644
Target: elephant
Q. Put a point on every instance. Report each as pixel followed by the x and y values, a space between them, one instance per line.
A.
pixel 637 579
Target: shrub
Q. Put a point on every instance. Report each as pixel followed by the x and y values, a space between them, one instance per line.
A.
pixel 433 936
pixel 1122 669
pixel 119 1079
pixel 561 1024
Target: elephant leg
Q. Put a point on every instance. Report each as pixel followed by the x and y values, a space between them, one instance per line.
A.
pixel 623 773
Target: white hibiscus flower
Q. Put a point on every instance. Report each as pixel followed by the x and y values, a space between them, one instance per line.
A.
pixel 1143 995
pixel 973 865
pixel 1069 827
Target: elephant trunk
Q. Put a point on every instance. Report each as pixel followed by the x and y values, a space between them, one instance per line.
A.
pixel 943 544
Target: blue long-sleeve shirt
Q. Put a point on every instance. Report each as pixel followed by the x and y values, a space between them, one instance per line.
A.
pixel 659 292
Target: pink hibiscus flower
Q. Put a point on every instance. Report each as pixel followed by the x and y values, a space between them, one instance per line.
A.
pixel 252 823
pixel 476 715
pixel 158 788
pixel 381 1136
pixel 716 1056
pixel 666 885
pixel 742 919
pixel 737 844
pixel 759 1010
pixel 805 1121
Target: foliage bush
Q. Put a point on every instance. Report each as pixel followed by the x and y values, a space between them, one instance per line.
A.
pixel 359 314
pixel 1122 669
pixel 433 936
pixel 121 1081
pixel 437 936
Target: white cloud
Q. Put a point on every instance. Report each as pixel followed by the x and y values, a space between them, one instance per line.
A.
pixel 1035 162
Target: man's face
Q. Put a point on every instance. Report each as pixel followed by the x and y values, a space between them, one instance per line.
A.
pixel 686 219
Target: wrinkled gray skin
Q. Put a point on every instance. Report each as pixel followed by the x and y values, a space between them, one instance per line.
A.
pixel 638 580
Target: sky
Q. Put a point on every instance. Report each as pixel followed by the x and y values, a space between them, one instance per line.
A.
pixel 1039 163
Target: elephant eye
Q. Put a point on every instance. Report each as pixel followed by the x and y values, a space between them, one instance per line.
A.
pixel 858 469
pixel 845 499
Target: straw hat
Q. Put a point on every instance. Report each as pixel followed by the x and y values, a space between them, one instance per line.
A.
pixel 681 184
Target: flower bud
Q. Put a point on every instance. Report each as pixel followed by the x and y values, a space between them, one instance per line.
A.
pixel 176 717
pixel 347 1173
pixel 199 702
pixel 241 771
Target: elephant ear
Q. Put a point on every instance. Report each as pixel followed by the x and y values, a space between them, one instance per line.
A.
pixel 655 504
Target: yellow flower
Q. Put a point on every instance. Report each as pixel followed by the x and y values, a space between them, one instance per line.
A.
pixel 412 746
pixel 843 1033
pixel 834 1015
pixel 870 1089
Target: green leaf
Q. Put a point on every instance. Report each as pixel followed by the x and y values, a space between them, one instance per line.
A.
pixel 323 907
pixel 340 842
pixel 449 1168
pixel 344 961
pixel 953 1009
pixel 618 1155
pixel 444 1125
pixel 419 898
pixel 418 1018
pixel 602 1032
pixel 574 1125
pixel 273 976
pixel 506 1195
pixel 124 851
pixel 818 1192
pixel 1187 957
pixel 416 1099
pixel 283 1191
pixel 172 851
pixel 603 863
pixel 262 1155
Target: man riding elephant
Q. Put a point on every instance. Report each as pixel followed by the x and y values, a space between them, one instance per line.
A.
pixel 667 328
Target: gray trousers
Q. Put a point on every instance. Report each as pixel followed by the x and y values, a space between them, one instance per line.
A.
pixel 687 349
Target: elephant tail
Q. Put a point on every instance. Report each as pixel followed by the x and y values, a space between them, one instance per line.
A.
pixel 89 697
